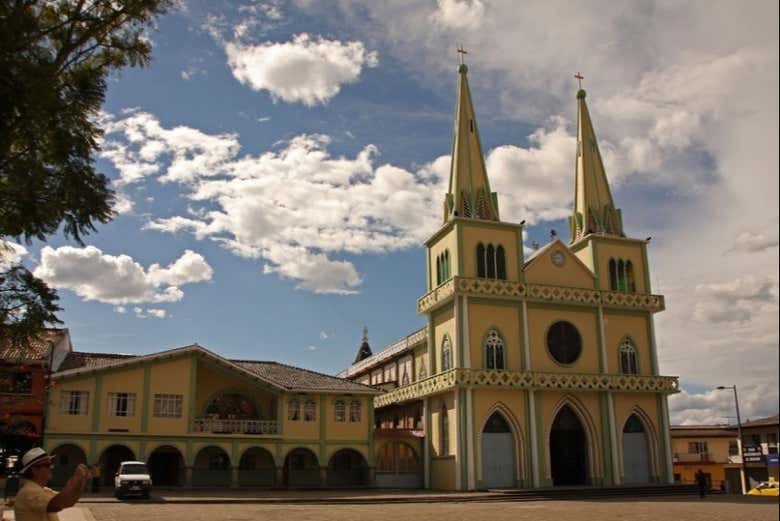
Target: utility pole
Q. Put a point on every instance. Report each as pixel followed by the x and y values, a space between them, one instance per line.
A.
pixel 740 444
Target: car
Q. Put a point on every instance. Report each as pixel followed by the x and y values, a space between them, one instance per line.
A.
pixel 132 479
pixel 765 488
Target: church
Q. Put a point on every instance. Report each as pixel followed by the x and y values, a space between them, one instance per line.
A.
pixel 532 371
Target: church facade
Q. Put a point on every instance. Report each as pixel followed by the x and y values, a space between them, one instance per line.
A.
pixel 532 371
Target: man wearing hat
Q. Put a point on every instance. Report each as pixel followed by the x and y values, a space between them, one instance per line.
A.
pixel 35 501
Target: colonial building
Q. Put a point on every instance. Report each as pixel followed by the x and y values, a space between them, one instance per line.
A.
pixel 199 419
pixel 708 448
pixel 532 371
pixel 23 388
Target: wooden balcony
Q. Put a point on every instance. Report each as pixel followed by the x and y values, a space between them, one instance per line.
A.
pixel 227 426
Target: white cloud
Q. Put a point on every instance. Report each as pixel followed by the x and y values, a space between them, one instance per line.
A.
pixel 306 70
pixel 123 204
pixel 749 242
pixel 10 254
pixel 459 14
pixel 735 300
pixel 149 312
pixel 716 406
pixel 119 280
pixel 323 335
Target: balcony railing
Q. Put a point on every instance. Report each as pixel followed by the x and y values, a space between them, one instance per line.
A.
pixel 692 457
pixel 217 426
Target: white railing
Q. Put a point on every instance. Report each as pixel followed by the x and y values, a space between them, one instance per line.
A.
pixel 217 426
pixel 690 457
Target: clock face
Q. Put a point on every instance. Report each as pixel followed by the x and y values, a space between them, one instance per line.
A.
pixel 558 258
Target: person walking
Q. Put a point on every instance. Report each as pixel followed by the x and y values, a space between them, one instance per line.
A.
pixel 701 481
pixel 37 502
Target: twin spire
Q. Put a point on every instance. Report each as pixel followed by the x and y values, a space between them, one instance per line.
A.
pixel 469 191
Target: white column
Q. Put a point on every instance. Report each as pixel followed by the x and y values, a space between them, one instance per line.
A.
pixel 458 445
pixel 526 346
pixel 427 444
pixel 466 343
pixel 667 440
pixel 472 477
pixel 613 440
pixel 456 361
pixel 602 341
pixel 534 442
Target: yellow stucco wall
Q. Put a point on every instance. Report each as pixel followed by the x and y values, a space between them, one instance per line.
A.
pixel 619 325
pixel 300 429
pixel 59 422
pixel 171 377
pixel 436 410
pixel 605 250
pixel 572 273
pixel 540 318
pixel 444 324
pixel 505 319
pixel 449 242
pixel 443 473
pixel 130 380
pixel 474 234
pixel 346 430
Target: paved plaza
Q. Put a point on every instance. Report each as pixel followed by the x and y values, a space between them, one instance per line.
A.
pixel 687 509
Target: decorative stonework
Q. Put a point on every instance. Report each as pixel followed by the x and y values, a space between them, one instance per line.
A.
pixel 505 289
pixel 529 380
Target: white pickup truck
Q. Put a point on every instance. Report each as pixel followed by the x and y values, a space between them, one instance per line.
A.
pixel 132 478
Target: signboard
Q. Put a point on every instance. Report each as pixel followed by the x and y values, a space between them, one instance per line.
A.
pixel 754 458
pixel 772 459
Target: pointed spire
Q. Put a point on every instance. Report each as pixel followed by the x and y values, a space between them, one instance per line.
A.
pixel 364 351
pixel 594 209
pixel 469 194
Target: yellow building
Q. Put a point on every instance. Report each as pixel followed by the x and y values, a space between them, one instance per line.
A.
pixel 531 372
pixel 708 448
pixel 201 420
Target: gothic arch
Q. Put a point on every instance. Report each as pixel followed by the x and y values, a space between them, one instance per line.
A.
pixel 519 439
pixel 483 347
pixel 628 338
pixel 595 462
pixel 652 436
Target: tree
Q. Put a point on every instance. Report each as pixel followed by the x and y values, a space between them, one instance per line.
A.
pixel 55 58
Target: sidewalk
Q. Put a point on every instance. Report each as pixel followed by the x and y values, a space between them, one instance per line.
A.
pixel 69 514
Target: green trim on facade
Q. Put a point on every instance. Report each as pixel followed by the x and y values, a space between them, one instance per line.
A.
pixel 93 455
pixel 522 330
pixel 189 457
pixel 234 455
pixel 663 428
pixel 463 454
pixel 652 349
pixel 602 342
pixel 193 390
pixel 142 450
pixel 323 427
pixel 431 347
pixel 96 406
pixel 596 270
pixel 371 439
pixel 606 439
pixel 461 337
pixel 648 288
pixel 459 249
pixel 145 398
pixel 529 467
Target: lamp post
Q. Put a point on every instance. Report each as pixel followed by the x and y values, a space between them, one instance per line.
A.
pixel 743 471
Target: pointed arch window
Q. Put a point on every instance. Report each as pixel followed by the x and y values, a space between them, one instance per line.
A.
pixel 621 276
pixel 621 268
pixel 444 430
pixel 613 276
pixel 628 357
pixel 494 351
pixel 630 283
pixel 446 354
pixel 491 261
pixel 442 267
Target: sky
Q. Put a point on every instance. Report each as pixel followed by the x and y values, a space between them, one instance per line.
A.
pixel 279 165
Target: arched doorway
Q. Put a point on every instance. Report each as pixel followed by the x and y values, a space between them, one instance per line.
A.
pixel 112 457
pixel 166 467
pixel 568 449
pixel 256 468
pixel 498 453
pixel 636 452
pixel 347 468
pixel 212 468
pixel 398 466
pixel 301 469
pixel 66 459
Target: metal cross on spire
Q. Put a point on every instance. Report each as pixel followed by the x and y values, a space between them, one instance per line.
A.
pixel 579 77
pixel 462 53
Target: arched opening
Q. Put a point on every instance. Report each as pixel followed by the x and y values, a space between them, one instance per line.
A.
pixel 494 350
pixel 613 276
pixel 212 468
pixel 498 453
pixel 233 406
pixel 628 360
pixel 398 466
pixel 166 467
pixel 256 468
pixel 112 457
pixel 636 452
pixel 568 449
pixel 66 459
pixel 500 263
pixel 491 261
pixel 630 282
pixel 301 469
pixel 481 266
pixel 347 468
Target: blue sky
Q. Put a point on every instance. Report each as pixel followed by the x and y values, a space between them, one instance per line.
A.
pixel 280 164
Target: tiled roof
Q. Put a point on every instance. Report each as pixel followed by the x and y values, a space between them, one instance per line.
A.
pixel 36 350
pixel 79 359
pixel 763 422
pixel 291 377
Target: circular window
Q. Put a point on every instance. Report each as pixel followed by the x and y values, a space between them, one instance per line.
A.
pixel 564 342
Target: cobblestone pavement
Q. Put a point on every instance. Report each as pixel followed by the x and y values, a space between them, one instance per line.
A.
pixel 611 510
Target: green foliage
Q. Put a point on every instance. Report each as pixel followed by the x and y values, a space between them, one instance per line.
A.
pixel 55 58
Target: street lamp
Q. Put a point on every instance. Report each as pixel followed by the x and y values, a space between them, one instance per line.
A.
pixel 743 472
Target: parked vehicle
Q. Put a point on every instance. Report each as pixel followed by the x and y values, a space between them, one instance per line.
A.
pixel 132 479
pixel 765 488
